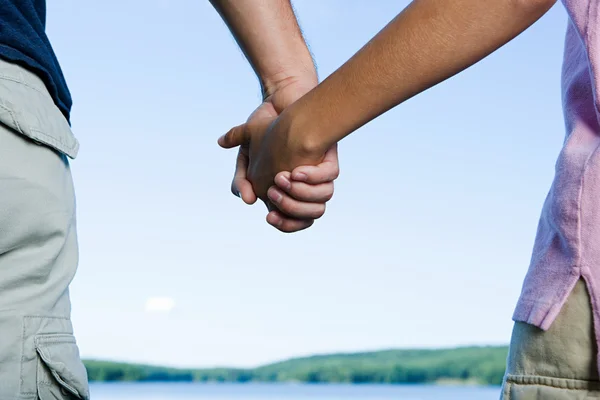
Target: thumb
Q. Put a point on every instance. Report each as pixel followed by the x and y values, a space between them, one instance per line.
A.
pixel 241 186
pixel 332 154
pixel 236 136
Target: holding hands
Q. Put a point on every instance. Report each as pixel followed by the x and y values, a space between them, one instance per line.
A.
pixel 293 180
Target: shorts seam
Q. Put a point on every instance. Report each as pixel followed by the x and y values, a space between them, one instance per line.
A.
pixel 45 316
pixel 549 381
pixel 12 115
pixel 55 341
pixel 22 82
pixel 23 363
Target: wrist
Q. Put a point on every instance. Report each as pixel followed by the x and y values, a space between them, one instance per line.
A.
pixel 303 78
pixel 304 136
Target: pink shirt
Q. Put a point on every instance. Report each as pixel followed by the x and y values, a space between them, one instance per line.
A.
pixel 567 245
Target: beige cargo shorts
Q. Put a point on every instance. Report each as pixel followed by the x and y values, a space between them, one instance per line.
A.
pixel 39 358
pixel 559 364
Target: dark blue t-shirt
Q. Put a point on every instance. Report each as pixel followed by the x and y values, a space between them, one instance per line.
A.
pixel 23 40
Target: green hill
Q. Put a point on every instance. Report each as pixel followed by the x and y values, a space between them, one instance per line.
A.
pixel 480 365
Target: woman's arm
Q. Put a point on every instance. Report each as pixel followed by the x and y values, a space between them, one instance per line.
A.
pixel 430 41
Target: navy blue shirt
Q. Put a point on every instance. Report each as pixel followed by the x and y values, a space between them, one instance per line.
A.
pixel 23 41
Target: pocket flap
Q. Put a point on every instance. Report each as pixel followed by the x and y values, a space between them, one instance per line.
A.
pixel 31 111
pixel 60 354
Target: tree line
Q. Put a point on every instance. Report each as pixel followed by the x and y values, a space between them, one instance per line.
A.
pixel 480 365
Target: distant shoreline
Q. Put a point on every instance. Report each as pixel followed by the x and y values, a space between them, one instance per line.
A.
pixel 482 365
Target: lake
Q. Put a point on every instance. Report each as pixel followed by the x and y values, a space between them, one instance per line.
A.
pixel 192 391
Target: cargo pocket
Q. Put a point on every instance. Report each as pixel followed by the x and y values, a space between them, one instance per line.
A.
pixel 60 373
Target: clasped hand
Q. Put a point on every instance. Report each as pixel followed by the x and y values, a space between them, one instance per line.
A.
pixel 274 166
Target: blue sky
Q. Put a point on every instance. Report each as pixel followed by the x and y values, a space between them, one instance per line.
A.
pixel 425 243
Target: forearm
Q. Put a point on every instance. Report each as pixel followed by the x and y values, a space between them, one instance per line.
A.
pixel 430 41
pixel 268 33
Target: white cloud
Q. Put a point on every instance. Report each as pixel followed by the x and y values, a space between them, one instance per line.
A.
pixel 159 304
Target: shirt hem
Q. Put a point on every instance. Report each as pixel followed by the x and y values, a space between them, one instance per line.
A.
pixel 543 314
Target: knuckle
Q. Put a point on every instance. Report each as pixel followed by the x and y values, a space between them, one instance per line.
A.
pixel 298 191
pixel 308 224
pixel 336 172
pixel 296 226
pixel 319 211
pixel 328 195
pixel 286 229
pixel 286 226
pixel 288 206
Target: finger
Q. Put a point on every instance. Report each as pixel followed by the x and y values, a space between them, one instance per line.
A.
pixel 286 224
pixel 294 208
pixel 319 193
pixel 236 136
pixel 327 171
pixel 241 186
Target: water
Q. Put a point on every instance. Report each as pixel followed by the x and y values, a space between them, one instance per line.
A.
pixel 192 391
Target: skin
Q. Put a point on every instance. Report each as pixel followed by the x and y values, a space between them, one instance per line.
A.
pixel 427 43
pixel 268 33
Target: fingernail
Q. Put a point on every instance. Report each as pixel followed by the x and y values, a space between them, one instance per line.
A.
pixel 284 182
pixel 299 176
pixel 274 195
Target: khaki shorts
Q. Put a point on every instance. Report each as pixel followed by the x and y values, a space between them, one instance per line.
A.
pixel 39 358
pixel 559 364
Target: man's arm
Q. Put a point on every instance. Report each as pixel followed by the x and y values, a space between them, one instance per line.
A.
pixel 268 33
pixel 430 41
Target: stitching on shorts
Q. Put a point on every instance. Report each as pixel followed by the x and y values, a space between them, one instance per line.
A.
pixel 570 384
pixel 55 141
pixel 46 316
pixel 44 338
pixel 23 363
pixel 12 115
pixel 57 341
pixel 22 82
